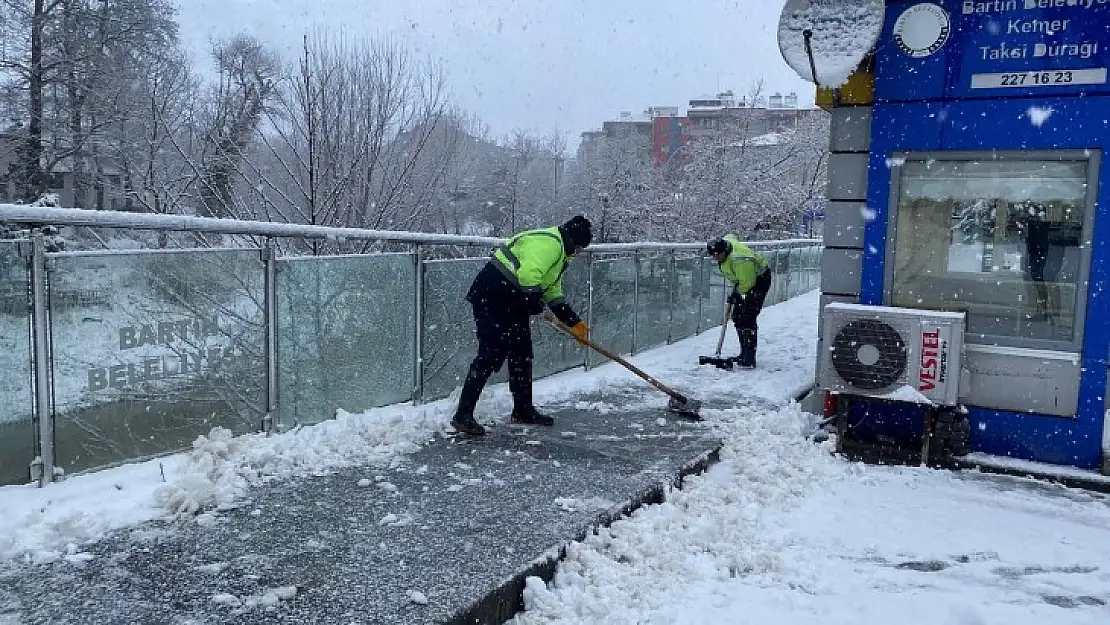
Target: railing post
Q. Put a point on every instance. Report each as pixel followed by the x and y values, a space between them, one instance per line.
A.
pixel 269 258
pixel 784 290
pixel 701 300
pixel 589 304
pixel 789 272
pixel 42 468
pixel 776 284
pixel 635 297
pixel 418 326
pixel 672 271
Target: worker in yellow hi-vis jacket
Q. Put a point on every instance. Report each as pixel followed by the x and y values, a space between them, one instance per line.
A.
pixel 750 276
pixel 520 278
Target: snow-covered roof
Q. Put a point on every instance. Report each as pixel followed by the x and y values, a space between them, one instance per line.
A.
pixel 762 141
pixel 638 117
pixel 771 138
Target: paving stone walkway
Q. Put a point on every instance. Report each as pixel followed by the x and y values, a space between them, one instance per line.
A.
pixel 457 524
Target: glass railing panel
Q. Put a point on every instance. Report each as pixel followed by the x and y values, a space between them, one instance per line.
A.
pixel 714 290
pixel 345 334
pixel 17 434
pixel 153 349
pixel 796 272
pixel 653 309
pixel 449 342
pixel 613 293
pixel 685 281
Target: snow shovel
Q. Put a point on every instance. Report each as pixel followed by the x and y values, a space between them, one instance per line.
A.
pixel 678 404
pixel 716 360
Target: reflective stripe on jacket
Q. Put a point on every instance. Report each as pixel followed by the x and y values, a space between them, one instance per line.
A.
pixel 535 261
pixel 743 265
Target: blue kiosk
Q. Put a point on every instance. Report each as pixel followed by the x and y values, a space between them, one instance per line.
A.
pixel 966 176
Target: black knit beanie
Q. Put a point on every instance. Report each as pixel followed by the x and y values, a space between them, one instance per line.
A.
pixel 579 230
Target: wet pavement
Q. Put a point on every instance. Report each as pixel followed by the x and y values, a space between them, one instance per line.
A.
pixel 444 536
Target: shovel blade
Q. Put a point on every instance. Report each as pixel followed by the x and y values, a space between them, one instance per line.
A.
pixel 716 361
pixel 685 407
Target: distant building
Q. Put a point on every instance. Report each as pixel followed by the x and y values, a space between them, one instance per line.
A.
pixel 669 138
pixel 710 113
pixel 106 191
pixel 663 133
pixel 636 130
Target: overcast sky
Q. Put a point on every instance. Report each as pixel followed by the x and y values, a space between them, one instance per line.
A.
pixel 541 65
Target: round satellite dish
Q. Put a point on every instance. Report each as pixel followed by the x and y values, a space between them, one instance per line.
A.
pixel 825 40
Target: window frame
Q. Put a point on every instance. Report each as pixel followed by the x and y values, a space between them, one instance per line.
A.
pixel 1093 158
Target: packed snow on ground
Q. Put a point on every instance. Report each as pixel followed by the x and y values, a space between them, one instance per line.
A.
pixel 782 531
pixel 45 524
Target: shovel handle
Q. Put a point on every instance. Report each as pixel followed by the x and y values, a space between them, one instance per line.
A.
pixel 724 327
pixel 554 322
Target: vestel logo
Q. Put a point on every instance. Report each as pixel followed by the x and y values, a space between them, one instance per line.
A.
pixel 930 359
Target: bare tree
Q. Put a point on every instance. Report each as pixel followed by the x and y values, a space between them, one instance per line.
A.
pixel 736 177
pixel 611 182
pixel 248 77
pixel 25 64
pixel 758 186
pixel 156 143
pixel 75 62
pixel 345 139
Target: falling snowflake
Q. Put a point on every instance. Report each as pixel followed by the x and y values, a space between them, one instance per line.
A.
pixel 1038 115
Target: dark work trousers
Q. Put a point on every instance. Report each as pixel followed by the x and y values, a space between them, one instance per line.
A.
pixel 502 335
pixel 745 317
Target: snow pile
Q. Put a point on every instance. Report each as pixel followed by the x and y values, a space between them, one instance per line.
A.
pixel 222 467
pixel 45 524
pixel 782 531
pixel 713 529
pixel 588 504
pixel 1037 468
pixel 418 597
pixel 842 34
pixel 908 394
pixel 267 599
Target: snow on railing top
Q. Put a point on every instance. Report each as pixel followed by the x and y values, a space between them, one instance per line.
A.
pixel 21 213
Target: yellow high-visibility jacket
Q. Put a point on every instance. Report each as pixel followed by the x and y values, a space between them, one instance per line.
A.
pixel 535 261
pixel 743 265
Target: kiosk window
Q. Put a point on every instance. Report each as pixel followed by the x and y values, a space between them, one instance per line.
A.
pixel 999 239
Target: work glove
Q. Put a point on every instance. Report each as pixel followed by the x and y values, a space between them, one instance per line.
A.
pixel 580 330
pixel 736 298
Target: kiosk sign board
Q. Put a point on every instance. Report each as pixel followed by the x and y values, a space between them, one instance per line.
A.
pixel 963 49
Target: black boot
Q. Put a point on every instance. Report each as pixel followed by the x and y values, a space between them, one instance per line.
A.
pixel 520 385
pixel 749 338
pixel 741 358
pixel 464 422
pixel 530 416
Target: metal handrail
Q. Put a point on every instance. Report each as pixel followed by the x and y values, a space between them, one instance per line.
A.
pixel 19 213
pixel 150 221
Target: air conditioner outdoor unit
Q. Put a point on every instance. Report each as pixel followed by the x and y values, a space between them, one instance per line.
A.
pixel 878 351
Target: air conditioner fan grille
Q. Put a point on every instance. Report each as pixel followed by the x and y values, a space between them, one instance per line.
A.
pixel 857 334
